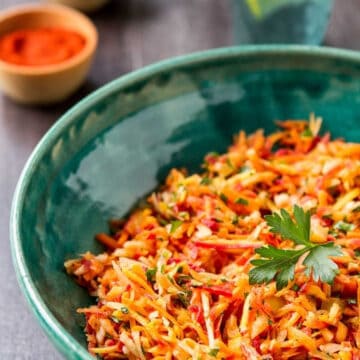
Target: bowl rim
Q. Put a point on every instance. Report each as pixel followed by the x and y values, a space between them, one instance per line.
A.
pixel 60 337
pixel 51 9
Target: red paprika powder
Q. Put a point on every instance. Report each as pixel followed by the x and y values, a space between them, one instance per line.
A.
pixel 40 46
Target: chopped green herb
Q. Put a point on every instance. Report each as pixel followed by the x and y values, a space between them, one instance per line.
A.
pixel 344 226
pixel 279 264
pixel 124 310
pixel 184 298
pixel 357 252
pixel 170 279
pixel 235 219
pixel 183 279
pixel 295 287
pixel 244 168
pixel 229 163
pixel 180 269
pixel 150 275
pixel 218 220
pixel 224 198
pixel 184 215
pixel 166 254
pixel 241 201
pixel 175 225
pixel 357 209
pixel 205 181
pixel 162 269
pixel 307 133
pixel 213 352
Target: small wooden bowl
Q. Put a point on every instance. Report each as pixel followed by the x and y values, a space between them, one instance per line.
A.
pixel 49 83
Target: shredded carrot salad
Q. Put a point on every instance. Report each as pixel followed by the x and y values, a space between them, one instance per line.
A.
pixel 174 281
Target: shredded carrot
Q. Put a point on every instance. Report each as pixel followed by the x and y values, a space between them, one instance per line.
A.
pixel 174 284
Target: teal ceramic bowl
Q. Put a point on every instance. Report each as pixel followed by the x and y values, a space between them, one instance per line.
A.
pixel 118 144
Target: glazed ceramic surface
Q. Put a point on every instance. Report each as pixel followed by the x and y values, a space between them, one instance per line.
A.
pixel 118 144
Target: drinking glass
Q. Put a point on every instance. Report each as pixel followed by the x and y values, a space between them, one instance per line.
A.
pixel 281 21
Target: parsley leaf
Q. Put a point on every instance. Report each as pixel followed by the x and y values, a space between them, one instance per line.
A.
pixel 150 275
pixel 307 133
pixel 241 201
pixel 229 163
pixel 224 198
pixel 235 219
pixel 298 231
pixel 213 352
pixel 205 181
pixel 279 264
pixel 276 264
pixel 319 263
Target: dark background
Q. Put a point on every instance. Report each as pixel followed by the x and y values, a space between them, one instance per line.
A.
pixel 133 33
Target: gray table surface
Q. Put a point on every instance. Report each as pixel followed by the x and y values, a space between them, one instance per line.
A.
pixel 133 33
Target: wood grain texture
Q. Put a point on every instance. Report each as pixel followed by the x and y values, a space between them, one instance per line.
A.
pixel 133 33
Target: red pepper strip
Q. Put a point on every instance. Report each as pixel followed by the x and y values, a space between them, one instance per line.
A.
pixel 242 260
pixel 256 342
pixel 217 326
pixel 211 224
pixel 270 239
pixel 199 315
pixel 231 357
pixel 218 290
pixel 233 246
pixel 314 143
